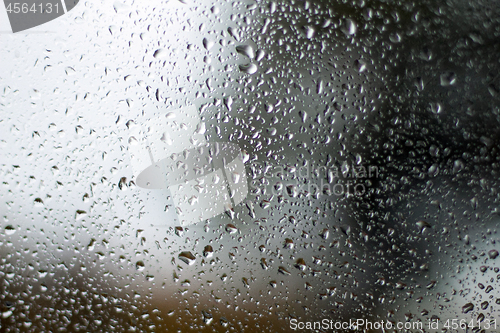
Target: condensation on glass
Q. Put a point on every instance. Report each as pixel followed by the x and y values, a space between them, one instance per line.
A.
pixel 251 166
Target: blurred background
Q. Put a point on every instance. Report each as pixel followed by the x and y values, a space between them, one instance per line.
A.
pixel 310 91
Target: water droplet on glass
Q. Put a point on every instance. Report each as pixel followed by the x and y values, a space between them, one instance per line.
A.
pixel 246 50
pixel 467 308
pixel 249 68
pixel 288 243
pixel 260 55
pixel 207 318
pixel 292 190
pixel 283 271
pixel 139 265
pixel 38 202
pixel 160 53
pixel 230 228
pixel 309 31
pixel 208 251
pixel 350 27
pixel 179 231
pixel 448 79
pixel 207 44
pixel 300 264
pixel 187 257
pixel 493 254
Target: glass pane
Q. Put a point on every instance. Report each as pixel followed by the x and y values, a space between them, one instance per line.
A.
pixel 249 166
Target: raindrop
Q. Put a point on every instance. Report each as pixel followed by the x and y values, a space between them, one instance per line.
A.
pixel 80 214
pixel 493 254
pixel 139 265
pixel 207 317
pixel 309 31
pixel 187 257
pixel 467 308
pixel 292 190
pixel 207 44
pixel 265 204
pixel 208 251
pixel 436 108
pixel 300 264
pixel 179 231
pixel 288 244
pixel 259 55
pixel 423 225
pixel 38 202
pixel 350 27
pixel 10 230
pixel 7 314
pixel 70 71
pixel 448 79
pixel 122 185
pixel 234 33
pixel 283 271
pixel 230 228
pixel 246 50
pixel 228 102
pixel 235 177
pixel 160 53
pixel 325 233
pixel 249 68
pixel 244 156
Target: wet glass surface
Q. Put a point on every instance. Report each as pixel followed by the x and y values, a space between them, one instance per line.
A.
pixel 308 161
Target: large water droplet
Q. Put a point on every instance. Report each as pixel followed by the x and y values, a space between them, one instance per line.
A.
pixel 249 68
pixel 160 53
pixel 350 27
pixel 493 254
pixel 139 265
pixel 467 308
pixel 207 44
pixel 10 230
pixel 208 251
pixel 246 50
pixel 187 257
